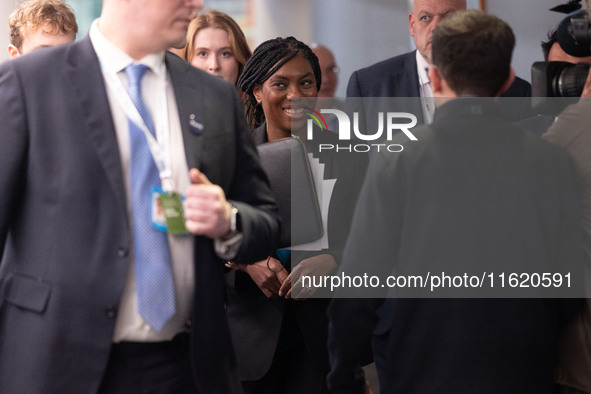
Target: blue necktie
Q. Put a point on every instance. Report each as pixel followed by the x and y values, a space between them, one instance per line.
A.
pixel 153 269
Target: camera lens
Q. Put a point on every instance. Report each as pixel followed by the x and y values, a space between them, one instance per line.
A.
pixel 571 80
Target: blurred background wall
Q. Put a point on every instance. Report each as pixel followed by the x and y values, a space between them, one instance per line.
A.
pixel 360 32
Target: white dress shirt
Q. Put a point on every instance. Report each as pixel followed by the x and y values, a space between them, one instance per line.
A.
pixel 130 325
pixel 427 102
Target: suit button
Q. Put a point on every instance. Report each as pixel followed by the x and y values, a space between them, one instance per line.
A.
pixel 123 252
pixel 110 312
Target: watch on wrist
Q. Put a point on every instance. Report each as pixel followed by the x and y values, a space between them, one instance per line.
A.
pixel 227 246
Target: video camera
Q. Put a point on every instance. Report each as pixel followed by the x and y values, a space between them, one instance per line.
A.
pixel 562 79
pixel 558 79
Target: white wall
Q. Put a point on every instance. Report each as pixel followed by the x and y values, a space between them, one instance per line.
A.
pixel 282 18
pixel 362 33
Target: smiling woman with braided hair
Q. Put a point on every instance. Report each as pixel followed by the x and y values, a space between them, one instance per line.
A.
pixel 279 332
pixel 267 59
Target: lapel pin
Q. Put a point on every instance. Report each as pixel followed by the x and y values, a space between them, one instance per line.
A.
pixel 195 125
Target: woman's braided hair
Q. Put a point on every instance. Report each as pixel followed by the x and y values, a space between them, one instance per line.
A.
pixel 266 59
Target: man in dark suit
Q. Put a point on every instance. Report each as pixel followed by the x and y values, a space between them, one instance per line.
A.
pixel 472 194
pixel 94 297
pixel 406 75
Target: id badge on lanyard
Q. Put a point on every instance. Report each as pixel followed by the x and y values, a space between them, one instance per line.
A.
pixel 167 204
pixel 168 211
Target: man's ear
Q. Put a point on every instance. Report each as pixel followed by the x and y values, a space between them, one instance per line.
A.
pixel 411 24
pixel 13 51
pixel 436 81
pixel 508 82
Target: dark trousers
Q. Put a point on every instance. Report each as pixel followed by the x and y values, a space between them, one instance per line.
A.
pixel 149 368
pixel 292 371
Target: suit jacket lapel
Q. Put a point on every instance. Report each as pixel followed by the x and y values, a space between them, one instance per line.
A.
pixel 414 84
pixel 259 135
pixel 411 85
pixel 188 104
pixel 85 74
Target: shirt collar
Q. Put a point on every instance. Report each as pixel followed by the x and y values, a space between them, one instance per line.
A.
pixel 422 69
pixel 114 59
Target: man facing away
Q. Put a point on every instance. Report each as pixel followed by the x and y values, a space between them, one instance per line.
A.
pixel 103 286
pixel 40 23
pixel 471 194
